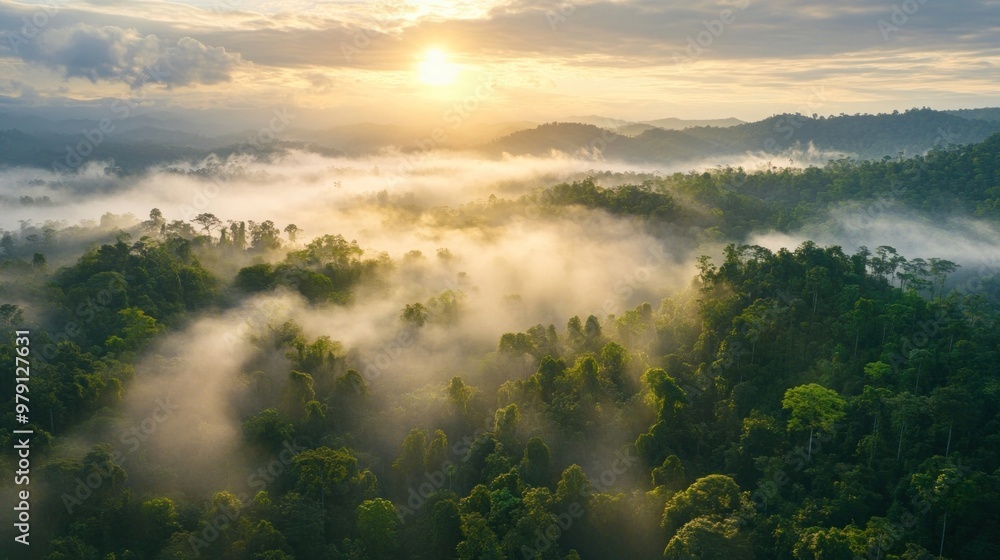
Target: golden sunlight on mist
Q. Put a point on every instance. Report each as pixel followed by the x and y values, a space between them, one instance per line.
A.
pixel 435 70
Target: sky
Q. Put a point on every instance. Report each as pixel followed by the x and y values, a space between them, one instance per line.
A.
pixel 502 60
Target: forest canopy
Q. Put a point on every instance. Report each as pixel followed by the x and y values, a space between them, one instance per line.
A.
pixel 250 390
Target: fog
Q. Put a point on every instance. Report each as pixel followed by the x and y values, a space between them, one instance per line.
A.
pixel 971 243
pixel 447 222
pixel 512 265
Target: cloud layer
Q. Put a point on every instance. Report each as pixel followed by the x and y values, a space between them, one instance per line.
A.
pixel 114 54
pixel 625 58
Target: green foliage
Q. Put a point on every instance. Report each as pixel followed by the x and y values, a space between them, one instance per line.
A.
pixel 377 521
pixel 704 537
pixel 713 496
pixel 813 406
pixel 890 371
pixel 639 200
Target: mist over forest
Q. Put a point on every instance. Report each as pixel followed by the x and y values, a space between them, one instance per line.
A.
pixel 289 353
pixel 498 280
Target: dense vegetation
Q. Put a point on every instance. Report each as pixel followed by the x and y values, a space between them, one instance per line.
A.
pixel 962 181
pixel 135 147
pixel 912 132
pixel 800 404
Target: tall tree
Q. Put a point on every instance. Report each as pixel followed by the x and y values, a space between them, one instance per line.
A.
pixel 814 407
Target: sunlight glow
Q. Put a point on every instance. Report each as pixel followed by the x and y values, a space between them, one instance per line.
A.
pixel 435 70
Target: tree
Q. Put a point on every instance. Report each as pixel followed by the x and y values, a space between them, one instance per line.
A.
pixel 158 519
pixel 505 424
pixel 816 543
pixel 292 231
pixel 480 542
pixel 238 235
pixel 814 407
pixel 536 464
pixel 7 244
pixel 410 463
pixel 414 314
pixel 256 278
pixel 136 328
pixel 156 222
pixel 940 269
pixel 264 236
pixel 11 316
pixel 377 524
pixel 321 471
pixel 704 537
pixel 573 486
pixel 446 527
pixel 269 429
pixel 459 393
pixel 614 359
pixel 208 222
pixel 669 474
pixel 297 392
pixel 716 496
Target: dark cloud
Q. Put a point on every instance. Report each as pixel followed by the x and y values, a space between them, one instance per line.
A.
pixel 636 33
pixel 111 53
pixel 611 33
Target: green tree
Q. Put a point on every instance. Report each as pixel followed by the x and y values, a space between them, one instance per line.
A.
pixel 705 537
pixel 536 464
pixel 480 542
pixel 377 526
pixel 814 407
pixel 716 496
pixel 414 314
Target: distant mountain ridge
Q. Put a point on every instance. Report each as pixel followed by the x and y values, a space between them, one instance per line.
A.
pixel 143 140
pixel 864 136
pixel 670 123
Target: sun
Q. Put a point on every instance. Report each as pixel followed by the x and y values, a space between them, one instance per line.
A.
pixel 435 70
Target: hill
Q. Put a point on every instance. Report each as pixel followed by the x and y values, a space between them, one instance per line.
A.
pixel 913 132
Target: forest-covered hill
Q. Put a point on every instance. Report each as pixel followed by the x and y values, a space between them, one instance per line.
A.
pixel 812 402
pixel 912 132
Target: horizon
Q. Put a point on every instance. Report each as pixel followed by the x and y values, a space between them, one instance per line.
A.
pixel 498 61
pixel 87 114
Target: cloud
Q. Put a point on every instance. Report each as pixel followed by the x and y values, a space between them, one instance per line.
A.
pixel 114 54
pixel 630 58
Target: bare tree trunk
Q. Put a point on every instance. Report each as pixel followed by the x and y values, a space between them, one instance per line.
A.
pixel 900 448
pixel 943 525
pixel 871 457
pixel 810 453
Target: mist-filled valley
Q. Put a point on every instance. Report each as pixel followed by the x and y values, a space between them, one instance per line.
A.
pixel 294 353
